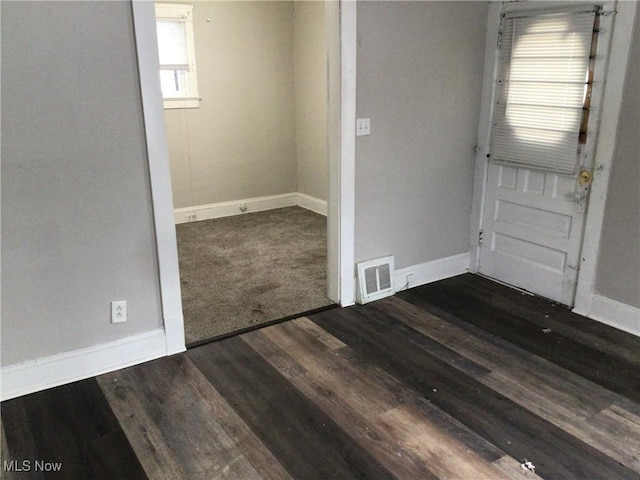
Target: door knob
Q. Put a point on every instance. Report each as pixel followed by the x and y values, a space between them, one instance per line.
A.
pixel 584 178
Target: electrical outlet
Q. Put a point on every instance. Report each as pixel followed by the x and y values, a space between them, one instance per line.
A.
pixel 119 311
pixel 192 217
pixel 363 126
pixel 410 277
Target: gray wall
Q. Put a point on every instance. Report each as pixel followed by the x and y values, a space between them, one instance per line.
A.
pixel 261 127
pixel 618 274
pixel 310 60
pixel 419 79
pixel 240 143
pixel 77 227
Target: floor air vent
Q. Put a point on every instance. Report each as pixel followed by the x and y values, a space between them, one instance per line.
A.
pixel 375 279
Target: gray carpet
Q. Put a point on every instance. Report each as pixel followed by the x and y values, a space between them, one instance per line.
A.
pixel 247 270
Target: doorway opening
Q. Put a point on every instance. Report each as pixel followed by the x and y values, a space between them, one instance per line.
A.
pixel 341 52
pixel 249 164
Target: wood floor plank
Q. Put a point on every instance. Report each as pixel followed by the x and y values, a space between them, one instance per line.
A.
pixel 583 397
pixel 18 425
pixel 319 334
pixel 5 473
pixel 585 360
pixel 547 314
pixel 563 398
pixel 631 419
pixel 455 379
pixel 512 428
pixel 72 425
pixel 514 469
pixel 606 432
pixel 446 457
pixel 364 387
pixel 332 402
pixel 616 432
pixel 182 428
pixel 348 379
pixel 145 436
pixel 304 440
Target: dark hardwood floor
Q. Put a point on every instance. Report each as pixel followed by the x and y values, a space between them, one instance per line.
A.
pixel 459 379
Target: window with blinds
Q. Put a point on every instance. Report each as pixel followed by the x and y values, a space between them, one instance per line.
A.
pixel 543 80
pixel 176 52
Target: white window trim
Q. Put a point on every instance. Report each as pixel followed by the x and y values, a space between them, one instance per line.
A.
pixel 183 11
pixel 181 102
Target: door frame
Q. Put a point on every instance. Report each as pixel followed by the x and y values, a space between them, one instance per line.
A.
pixel 341 58
pixel 619 47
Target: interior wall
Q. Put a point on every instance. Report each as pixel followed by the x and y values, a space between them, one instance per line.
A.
pixel 240 143
pixel 310 71
pixel 618 273
pixel 419 79
pixel 77 225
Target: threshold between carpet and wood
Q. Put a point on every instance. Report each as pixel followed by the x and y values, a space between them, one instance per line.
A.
pixel 248 270
pixel 460 379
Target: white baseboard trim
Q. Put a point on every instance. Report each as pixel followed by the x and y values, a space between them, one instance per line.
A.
pixel 312 203
pixel 432 271
pixel 35 375
pixel 258 204
pixel 615 314
pixel 227 209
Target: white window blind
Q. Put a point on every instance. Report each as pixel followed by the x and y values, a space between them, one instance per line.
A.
pixel 172 44
pixel 176 54
pixel 540 95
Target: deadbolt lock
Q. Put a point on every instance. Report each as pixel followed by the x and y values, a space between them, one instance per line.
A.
pixel 584 178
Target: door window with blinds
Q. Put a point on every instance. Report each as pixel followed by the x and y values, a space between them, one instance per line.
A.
pixel 176 51
pixel 542 89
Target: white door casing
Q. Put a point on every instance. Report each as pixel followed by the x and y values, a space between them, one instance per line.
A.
pixel 342 65
pixel 531 221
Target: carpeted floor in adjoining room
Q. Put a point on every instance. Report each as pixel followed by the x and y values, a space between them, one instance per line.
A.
pixel 242 271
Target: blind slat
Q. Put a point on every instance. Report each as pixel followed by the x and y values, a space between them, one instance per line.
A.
pixel 543 64
pixel 172 44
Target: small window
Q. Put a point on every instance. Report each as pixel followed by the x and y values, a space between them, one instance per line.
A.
pixel 176 50
pixel 543 90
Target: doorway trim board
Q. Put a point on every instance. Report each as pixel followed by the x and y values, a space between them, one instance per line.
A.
pixel 615 76
pixel 341 17
pixel 343 166
pixel 605 150
pixel 144 24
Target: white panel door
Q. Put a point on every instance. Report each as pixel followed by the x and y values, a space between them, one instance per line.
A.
pixel 533 219
pixel 532 231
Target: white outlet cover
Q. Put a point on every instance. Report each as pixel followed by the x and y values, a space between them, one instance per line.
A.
pixel 119 311
pixel 363 126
